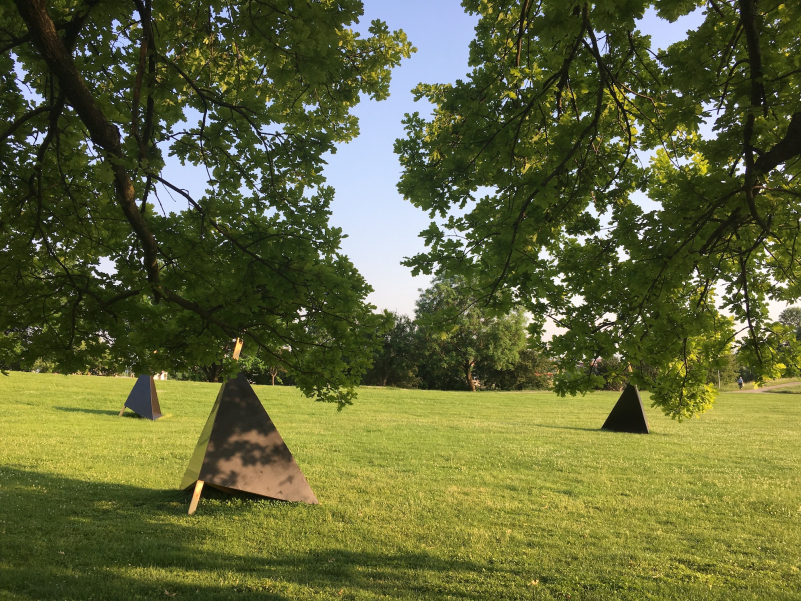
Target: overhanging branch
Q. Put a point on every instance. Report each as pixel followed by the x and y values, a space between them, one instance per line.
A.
pixel 102 132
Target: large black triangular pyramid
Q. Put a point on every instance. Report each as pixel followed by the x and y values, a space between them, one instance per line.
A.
pixel 628 414
pixel 241 450
pixel 143 399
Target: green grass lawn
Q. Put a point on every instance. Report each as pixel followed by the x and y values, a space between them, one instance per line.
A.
pixel 786 390
pixel 424 495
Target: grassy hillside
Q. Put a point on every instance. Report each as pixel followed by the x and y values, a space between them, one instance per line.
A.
pixel 424 495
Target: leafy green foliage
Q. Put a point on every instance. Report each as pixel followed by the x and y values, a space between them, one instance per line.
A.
pixel 395 361
pixel 532 371
pixel 791 316
pixel 727 372
pixel 95 96
pixel 613 371
pixel 533 167
pixel 459 335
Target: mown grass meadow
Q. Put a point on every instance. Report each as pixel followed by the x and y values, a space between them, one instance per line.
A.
pixel 424 495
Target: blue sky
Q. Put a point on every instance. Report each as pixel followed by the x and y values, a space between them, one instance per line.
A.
pixel 382 228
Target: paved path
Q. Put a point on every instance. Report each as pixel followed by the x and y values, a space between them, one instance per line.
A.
pixel 768 387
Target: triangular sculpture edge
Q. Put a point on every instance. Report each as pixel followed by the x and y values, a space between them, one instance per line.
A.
pixel 196 460
pixel 143 398
pixel 240 449
pixel 628 414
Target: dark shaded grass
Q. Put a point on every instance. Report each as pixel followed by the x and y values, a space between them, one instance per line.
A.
pixel 424 495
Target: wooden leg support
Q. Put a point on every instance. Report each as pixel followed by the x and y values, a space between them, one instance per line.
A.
pixel 122 410
pixel 195 496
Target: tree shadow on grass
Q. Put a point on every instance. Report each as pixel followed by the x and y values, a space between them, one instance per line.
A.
pixel 598 429
pixel 94 411
pixel 64 538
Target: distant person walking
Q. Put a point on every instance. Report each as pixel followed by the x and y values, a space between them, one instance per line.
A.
pixel 740 382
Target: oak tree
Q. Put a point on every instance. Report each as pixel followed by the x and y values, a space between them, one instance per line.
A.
pixel 535 170
pixel 96 96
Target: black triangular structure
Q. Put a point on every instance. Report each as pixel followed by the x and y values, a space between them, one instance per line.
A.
pixel 143 399
pixel 628 414
pixel 241 450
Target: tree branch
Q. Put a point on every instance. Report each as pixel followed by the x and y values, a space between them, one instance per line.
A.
pixel 144 49
pixel 748 17
pixel 21 121
pixel 102 132
pixel 523 18
pixel 787 148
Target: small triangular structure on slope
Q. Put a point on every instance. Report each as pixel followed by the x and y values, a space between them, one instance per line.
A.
pixel 241 450
pixel 628 414
pixel 143 399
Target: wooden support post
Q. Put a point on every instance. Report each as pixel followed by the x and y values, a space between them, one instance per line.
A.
pixel 122 410
pixel 238 348
pixel 195 496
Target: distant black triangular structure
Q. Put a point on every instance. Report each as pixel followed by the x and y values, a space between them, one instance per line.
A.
pixel 628 414
pixel 143 399
pixel 240 449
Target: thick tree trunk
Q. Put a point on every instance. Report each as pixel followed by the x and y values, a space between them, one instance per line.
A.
pixel 213 372
pixel 468 372
pixel 386 370
pixel 102 132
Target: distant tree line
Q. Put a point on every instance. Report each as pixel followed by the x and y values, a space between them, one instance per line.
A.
pixel 452 343
pixel 455 342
